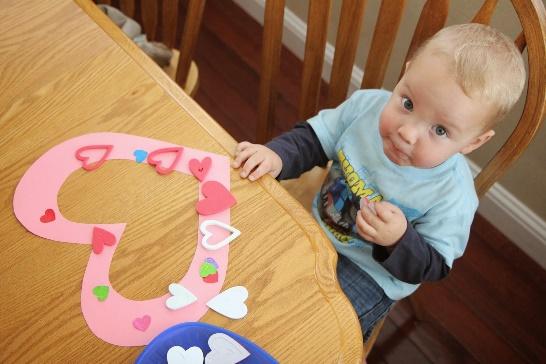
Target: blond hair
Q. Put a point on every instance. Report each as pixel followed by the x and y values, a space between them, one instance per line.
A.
pixel 486 63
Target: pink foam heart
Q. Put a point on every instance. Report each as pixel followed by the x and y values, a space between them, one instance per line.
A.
pixel 48 216
pixel 101 238
pixel 200 168
pixel 217 198
pixel 88 158
pixel 142 323
pixel 156 158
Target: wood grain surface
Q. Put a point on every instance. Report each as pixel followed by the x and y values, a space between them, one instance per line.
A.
pixel 67 71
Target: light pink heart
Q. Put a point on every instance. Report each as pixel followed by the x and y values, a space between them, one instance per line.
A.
pixel 142 323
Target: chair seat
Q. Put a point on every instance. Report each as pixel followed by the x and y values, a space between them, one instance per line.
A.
pixel 305 187
pixel 192 81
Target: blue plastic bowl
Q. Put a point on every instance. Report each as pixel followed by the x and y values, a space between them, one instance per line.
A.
pixel 190 334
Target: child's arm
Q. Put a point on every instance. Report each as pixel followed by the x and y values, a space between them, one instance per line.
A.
pixel 286 156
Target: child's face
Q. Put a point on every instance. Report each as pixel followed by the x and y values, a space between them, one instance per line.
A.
pixel 429 118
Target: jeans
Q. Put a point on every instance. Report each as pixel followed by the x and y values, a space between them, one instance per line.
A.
pixel 367 297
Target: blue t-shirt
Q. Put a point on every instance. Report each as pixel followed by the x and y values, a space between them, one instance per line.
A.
pixel 439 202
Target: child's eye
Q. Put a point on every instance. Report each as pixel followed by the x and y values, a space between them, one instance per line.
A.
pixel 407 103
pixel 440 130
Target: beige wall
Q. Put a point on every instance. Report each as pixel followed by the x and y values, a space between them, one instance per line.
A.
pixel 526 180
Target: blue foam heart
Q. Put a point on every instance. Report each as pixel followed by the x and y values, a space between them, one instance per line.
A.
pixel 140 155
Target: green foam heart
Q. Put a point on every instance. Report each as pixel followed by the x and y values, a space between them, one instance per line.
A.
pixel 206 269
pixel 101 292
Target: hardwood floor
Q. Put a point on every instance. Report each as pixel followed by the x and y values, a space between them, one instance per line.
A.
pixel 491 308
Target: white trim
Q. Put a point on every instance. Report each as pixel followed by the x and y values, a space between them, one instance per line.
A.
pixel 514 219
pixel 502 209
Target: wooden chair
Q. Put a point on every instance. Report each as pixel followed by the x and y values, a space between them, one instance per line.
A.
pixel 160 21
pixel 433 16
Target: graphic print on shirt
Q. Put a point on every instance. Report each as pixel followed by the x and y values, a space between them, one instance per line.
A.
pixel 340 197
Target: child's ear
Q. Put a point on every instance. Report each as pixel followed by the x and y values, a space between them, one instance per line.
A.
pixel 478 142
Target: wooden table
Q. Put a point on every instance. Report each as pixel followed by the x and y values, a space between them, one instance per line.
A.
pixel 67 71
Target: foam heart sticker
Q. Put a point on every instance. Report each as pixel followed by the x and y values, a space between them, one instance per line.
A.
pixel 101 292
pixel 217 199
pixel 212 261
pixel 225 350
pixel 181 297
pixel 142 323
pixel 101 238
pixel 211 278
pixel 140 155
pixel 48 216
pixel 234 234
pixel 88 156
pixel 230 303
pixel 177 355
pixel 157 158
pixel 206 269
pixel 200 168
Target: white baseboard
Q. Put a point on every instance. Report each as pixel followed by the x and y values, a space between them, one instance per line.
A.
pixel 502 209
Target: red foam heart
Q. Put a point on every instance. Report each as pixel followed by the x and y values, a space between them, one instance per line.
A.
pixel 217 198
pixel 155 157
pixel 200 168
pixel 211 278
pixel 48 216
pixel 142 323
pixel 101 238
pixel 92 165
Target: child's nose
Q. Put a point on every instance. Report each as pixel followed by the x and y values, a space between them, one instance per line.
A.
pixel 409 133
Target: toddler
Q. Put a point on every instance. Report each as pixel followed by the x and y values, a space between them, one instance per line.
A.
pixel 399 198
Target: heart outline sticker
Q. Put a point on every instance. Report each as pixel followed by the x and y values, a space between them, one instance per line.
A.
pixel 181 297
pixel 208 234
pixel 154 159
pixel 231 302
pixel 80 155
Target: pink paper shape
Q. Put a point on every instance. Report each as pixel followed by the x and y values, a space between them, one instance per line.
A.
pixel 217 199
pixel 200 168
pixel 112 319
pixel 83 154
pixel 156 158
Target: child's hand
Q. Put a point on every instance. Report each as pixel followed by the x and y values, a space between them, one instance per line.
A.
pixel 384 227
pixel 257 158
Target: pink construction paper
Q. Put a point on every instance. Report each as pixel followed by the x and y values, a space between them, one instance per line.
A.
pixel 113 319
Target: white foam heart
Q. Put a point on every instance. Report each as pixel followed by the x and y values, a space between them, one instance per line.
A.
pixel 225 350
pixel 231 302
pixel 234 233
pixel 177 355
pixel 181 297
